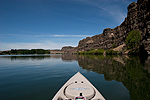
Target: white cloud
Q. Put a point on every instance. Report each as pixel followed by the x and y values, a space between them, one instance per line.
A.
pixel 46 35
pixel 113 10
pixel 72 35
pixel 42 41
pixel 48 45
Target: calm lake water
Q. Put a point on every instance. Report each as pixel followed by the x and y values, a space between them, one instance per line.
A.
pixel 39 77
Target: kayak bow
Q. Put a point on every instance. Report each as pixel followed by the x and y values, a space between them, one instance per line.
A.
pixel 78 88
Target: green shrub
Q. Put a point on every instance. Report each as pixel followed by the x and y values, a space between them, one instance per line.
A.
pixel 133 39
pixel 82 52
pixel 119 53
pixel 112 37
pixel 114 45
pixel 92 51
pixel 99 51
pixel 111 52
pixel 133 51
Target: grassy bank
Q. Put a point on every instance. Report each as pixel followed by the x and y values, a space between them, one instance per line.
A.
pixel 99 52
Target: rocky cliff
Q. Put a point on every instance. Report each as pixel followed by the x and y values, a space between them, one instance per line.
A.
pixel 138 18
pixel 65 49
pixel 69 49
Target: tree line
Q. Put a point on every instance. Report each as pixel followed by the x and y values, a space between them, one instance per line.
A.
pixel 25 51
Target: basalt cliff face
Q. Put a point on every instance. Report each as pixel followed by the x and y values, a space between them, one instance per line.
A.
pixel 138 18
pixel 65 49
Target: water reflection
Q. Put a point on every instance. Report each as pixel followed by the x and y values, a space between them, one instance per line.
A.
pixel 26 57
pixel 133 72
pixel 128 70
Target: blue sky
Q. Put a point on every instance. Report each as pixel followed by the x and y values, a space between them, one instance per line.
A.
pixel 51 24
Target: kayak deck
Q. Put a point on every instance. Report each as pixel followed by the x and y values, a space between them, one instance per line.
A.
pixel 76 86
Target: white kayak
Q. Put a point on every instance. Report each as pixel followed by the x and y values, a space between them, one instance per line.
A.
pixel 78 88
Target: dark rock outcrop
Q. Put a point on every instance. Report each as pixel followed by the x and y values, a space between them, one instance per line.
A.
pixel 65 49
pixel 56 51
pixel 69 49
pixel 138 18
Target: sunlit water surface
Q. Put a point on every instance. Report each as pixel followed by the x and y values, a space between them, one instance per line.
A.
pixel 39 77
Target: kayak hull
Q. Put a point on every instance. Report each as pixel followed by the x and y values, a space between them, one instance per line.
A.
pixel 76 86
